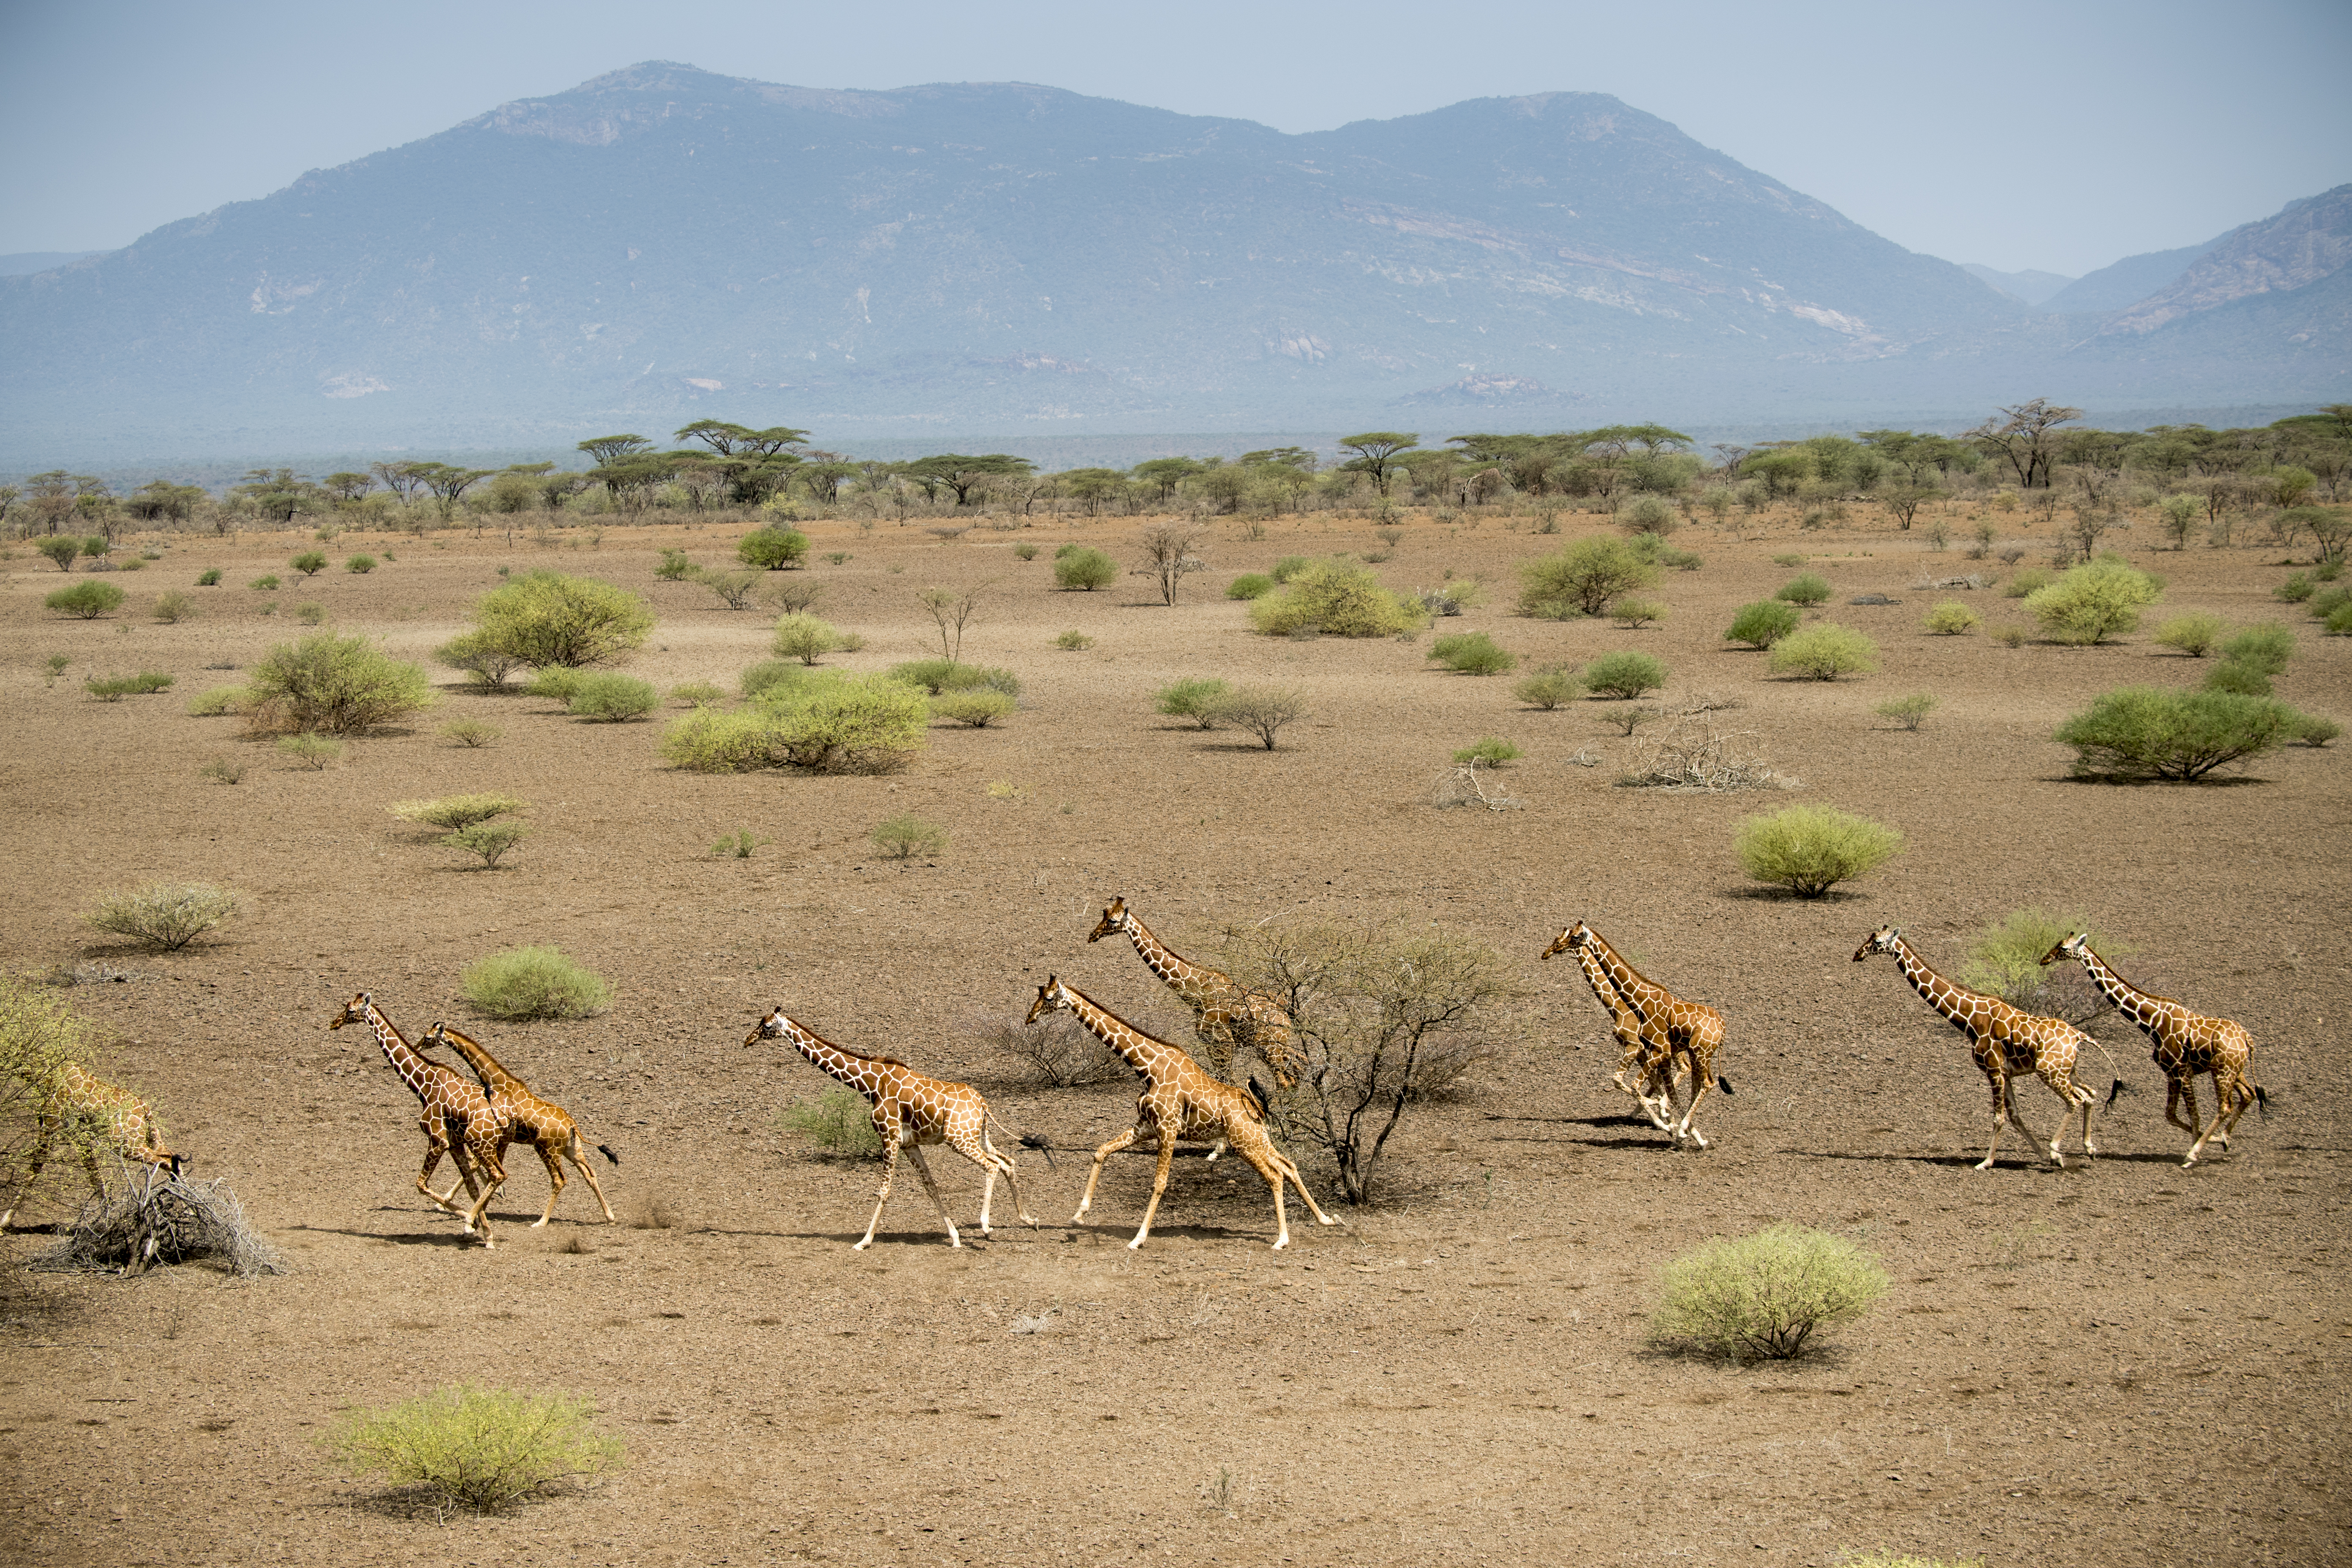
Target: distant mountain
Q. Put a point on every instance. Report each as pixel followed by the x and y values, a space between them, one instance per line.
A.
pixel 2308 243
pixel 17 263
pixel 662 245
pixel 2127 282
pixel 2030 286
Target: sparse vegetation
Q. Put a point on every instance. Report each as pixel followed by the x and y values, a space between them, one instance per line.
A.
pixel 737 846
pixel 550 621
pixel 223 769
pixel 1262 711
pixel 305 750
pixel 1806 590
pixel 608 697
pixel 2312 729
pixel 1824 652
pixel 559 685
pixel 2004 960
pixel 1084 569
pixel 335 686
pixel 218 701
pixel 2093 602
pixel 1763 623
pixel 2193 635
pixel 1633 612
pixel 1581 578
pixel 905 837
pixel 1074 641
pixel 172 606
pixel 1194 698
pixel 488 840
pixel 310 615
pixel 61 550
pixel 1624 675
pixel 533 983
pixel 1339 599
pixel 1808 849
pixel 805 638
pixel 816 720
pixel 471 732
pixel 2143 733
pixel 1062 1052
pixel 675 567
pixel 1908 711
pixel 310 562
pixel 456 811
pixel 477 656
pixel 838 1122
pixel 2245 679
pixel 1250 586
pixel 359 565
pixel 697 694
pixel 1951 619
pixel 978 706
pixel 773 549
pixel 485 1449
pixel 1472 653
pixel 114 689
pixel 164 916
pixel 1491 753
pixel 85 601
pixel 1549 686
pixel 1766 1295
pixel 2266 646
pixel 267 583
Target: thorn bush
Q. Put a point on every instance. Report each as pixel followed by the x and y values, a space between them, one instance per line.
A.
pixel 1766 1295
pixel 533 983
pixel 1808 849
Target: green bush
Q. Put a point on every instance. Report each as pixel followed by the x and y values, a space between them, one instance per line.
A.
pixel 2325 603
pixel 2004 958
pixel 491 840
pixel 1581 578
pixel 608 697
pixel 314 751
pixel 551 621
pixel 359 565
pixel 1250 586
pixel 474 653
pixel 1908 711
pixel 1289 566
pixel 146 683
pixel 2299 587
pixel 931 674
pixel 1951 619
pixel 770 674
pixel 1262 711
pixel 1624 675
pixel 1492 751
pixel 2314 731
pixel 1808 849
pixel 2139 731
pixel 1074 641
pixel 773 549
pixel 1339 598
pixel 1549 686
pixel 2193 635
pixel 1472 653
pixel 86 600
pixel 2245 679
pixel 223 769
pixel 1194 698
pixel 1763 623
pixel 978 707
pixel 219 701
pixel 1084 569
pixel 481 1448
pixel 713 740
pixel 820 721
pixel 533 983
pixel 1632 611
pixel 805 638
pixel 1766 1295
pixel 1808 590
pixel 338 686
pixel 2026 583
pixel 165 916
pixel 1791 558
pixel 2338 623
pixel 456 811
pixel 2092 602
pixel 1824 652
pixel 172 606
pixel 267 583
pixel 61 550
pixel 561 684
pixel 904 837
pixel 697 693
pixel 734 588
pixel 675 567
pixel 2266 646
pixel 310 615
pixel 1650 516
pixel 837 1121
pixel 209 577
pixel 1019 552
pixel 471 732
pixel 310 562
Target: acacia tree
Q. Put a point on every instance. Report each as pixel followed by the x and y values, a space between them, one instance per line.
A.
pixel 1165 474
pixel 1168 557
pixel 2025 440
pixel 950 611
pixel 964 474
pixel 1376 453
pixel 400 478
pixel 448 483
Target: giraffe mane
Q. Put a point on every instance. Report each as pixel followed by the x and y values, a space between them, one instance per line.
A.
pixel 1122 1023
pixel 828 1044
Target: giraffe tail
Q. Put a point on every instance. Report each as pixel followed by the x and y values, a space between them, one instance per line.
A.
pixel 2263 1101
pixel 1036 1141
pixel 1723 1083
pixel 607 1150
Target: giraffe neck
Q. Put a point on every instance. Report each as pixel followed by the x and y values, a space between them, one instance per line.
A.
pixel 482 1061
pixel 1624 975
pixel 1596 976
pixel 1938 992
pixel 847 1065
pixel 1140 1050
pixel 1195 982
pixel 2147 1012
pixel 412 1069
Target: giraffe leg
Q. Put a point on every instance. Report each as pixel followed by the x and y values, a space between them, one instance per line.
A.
pixel 1087 1198
pixel 2221 1094
pixel 573 1152
pixel 424 1178
pixel 493 1173
pixel 554 1164
pixel 1289 1169
pixel 44 1134
pixel 1702 1080
pixel 1999 1121
pixel 2009 1100
pixel 890 1169
pixel 2176 1088
pixel 2239 1096
pixel 1159 1185
pixel 1274 1177
pixel 923 1173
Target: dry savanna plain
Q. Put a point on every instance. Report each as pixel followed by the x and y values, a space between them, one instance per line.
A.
pixel 2126 1362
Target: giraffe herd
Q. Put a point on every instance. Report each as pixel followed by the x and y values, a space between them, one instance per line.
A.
pixel 1668 1047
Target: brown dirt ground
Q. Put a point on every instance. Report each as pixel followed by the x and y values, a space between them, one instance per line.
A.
pixel 2128 1364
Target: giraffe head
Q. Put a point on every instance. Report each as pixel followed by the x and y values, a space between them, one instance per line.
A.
pixel 435 1036
pixel 1052 997
pixel 2075 946
pixel 771 1027
pixel 1569 939
pixel 1114 920
pixel 355 1011
pixel 1886 939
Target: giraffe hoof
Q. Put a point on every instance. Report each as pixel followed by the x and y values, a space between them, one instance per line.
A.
pixel 861 1246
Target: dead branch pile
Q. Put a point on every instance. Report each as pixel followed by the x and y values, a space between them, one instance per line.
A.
pixel 162 1220
pixel 1694 753
pixel 1463 784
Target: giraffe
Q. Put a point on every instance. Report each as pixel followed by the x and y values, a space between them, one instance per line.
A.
pixel 2006 1041
pixel 1225 1014
pixel 1649 1048
pixel 909 1110
pixel 540 1123
pixel 2187 1044
pixel 1688 1033
pixel 1180 1102
pixel 85 1109
pixel 453 1113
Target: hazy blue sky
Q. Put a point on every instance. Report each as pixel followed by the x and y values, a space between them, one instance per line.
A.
pixel 2059 136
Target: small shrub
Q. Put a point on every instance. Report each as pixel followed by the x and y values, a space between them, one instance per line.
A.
pixel 223 769
pixel 339 686
pixel 60 549
pixel 481 1448
pixel 1490 752
pixel 310 615
pixel 675 567
pixel 2338 623
pixel 55 665
pixel 1448 598
pixel 1289 566
pixel 1629 719
pixel 1074 641
pixel 85 601
pixel 559 685
pixel 2245 679
pixel 2326 603
pixel 1083 570
pixel 697 694
pixel 2192 634
pixel 1808 849
pixel 735 589
pixel 1262 711
pixel 1062 1052
pixel 931 674
pixel 1792 559
pixel 2092 602
pixel 533 983
pixel 310 562
pixel 1472 653
pixel 1624 675
pixel 1951 619
pixel 477 656
pixel 1766 1295
pixel 2314 731
pixel 772 675
pixel 359 565
pixel 773 549
pixel 1019 552
pixel 904 837
pixel 2297 588
pixel 1633 612
pixel 1341 599
pixel 1808 590
pixel 267 583
pixel 2026 583
pixel 1908 711
pixel 2004 960
pixel 1763 623
pixel 2138 732
pixel 471 732
pixel 1650 516
pixel 146 683
pixel 1581 578
pixel 165 916
pixel 1250 586
pixel 608 697
pixel 804 637
pixel 2010 635
pixel 1194 698
pixel 455 811
pixel 737 846
pixel 316 752
pixel 2266 646
pixel 551 621
pixel 1824 652
pixel 491 840
pixel 1549 686
pixel 838 1122
pixel 172 606
pixel 978 707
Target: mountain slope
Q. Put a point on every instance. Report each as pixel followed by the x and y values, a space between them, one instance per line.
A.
pixel 2030 285
pixel 2126 282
